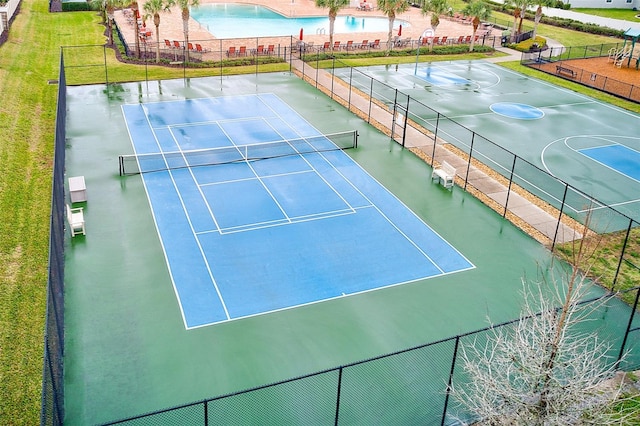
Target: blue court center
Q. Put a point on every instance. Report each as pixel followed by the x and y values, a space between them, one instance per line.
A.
pixel 260 234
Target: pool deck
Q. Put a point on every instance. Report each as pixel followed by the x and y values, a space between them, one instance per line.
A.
pixel 171 27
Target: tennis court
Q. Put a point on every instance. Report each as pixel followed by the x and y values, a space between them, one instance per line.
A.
pixel 248 175
pixel 416 262
pixel 555 129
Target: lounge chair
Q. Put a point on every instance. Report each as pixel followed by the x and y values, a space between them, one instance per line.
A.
pixel 242 51
pixel 231 51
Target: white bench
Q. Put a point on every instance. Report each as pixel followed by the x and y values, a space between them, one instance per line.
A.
pixel 77 189
pixel 445 174
pixel 75 217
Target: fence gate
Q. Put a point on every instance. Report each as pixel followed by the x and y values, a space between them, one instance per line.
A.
pixel 399 125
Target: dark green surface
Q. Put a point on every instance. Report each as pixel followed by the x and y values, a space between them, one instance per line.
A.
pixel 127 351
pixel 549 145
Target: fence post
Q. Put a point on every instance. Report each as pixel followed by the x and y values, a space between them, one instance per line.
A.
pixel 317 67
pixel 626 333
pixel 256 59
pixel 564 199
pixel 624 248
pixel 106 70
pixel 406 117
pixel 370 101
pixel 393 115
pixel 466 177
pixel 350 88
pixel 448 392
pixel 506 201
pixel 338 396
pixel 333 73
pixel 206 413
pixel 435 140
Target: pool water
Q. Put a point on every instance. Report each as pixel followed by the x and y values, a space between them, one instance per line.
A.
pixel 229 20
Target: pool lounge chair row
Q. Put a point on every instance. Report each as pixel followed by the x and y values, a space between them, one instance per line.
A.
pixel 242 51
pixel 365 6
pixel 402 42
pixel 350 45
pixel 451 40
pixel 175 44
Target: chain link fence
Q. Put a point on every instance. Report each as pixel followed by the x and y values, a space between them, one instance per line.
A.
pixel 406 387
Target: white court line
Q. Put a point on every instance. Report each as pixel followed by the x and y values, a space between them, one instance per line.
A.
pixel 204 258
pixel 194 179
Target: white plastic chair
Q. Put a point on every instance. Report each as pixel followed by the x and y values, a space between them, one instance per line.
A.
pixel 75 217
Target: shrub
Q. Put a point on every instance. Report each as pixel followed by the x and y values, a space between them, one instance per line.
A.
pixel 76 7
pixel 532 44
pixel 454 49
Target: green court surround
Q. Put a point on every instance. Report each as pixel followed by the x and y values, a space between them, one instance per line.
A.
pixel 126 349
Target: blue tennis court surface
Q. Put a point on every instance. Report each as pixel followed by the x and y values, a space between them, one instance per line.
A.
pixel 617 157
pixel 249 237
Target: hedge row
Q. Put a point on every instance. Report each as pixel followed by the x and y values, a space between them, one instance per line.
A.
pixel 562 22
pixel 76 6
pixel 377 53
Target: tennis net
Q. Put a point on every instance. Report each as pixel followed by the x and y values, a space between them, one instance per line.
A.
pixel 133 164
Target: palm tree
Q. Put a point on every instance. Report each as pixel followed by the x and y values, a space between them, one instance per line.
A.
pixel 107 7
pixel 480 12
pixel 334 7
pixel 153 8
pixel 184 5
pixel 436 8
pixel 519 9
pixel 539 14
pixel 391 8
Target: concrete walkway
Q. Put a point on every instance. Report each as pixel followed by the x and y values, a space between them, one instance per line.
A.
pixel 617 24
pixel 539 223
pixel 515 55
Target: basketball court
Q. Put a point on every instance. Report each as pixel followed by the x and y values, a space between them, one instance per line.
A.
pixel 591 145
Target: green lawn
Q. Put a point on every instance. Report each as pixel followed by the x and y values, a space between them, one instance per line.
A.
pixel 28 60
pixel 624 14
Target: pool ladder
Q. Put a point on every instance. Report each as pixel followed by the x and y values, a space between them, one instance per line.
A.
pixel 321 31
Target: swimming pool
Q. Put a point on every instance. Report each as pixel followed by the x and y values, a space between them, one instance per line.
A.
pixel 230 20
